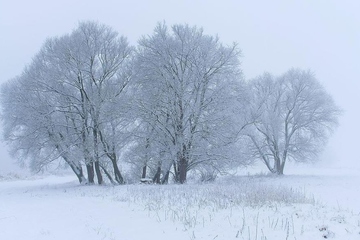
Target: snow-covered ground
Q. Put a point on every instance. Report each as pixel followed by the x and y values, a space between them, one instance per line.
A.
pixel 311 204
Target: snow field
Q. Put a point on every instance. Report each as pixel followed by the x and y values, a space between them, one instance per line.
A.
pixel 232 208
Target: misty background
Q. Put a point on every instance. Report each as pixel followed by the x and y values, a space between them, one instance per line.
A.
pixel 274 36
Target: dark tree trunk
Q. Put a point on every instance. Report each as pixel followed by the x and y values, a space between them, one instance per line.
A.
pixel 143 175
pixel 165 178
pixel 112 156
pixel 77 169
pixel 279 168
pixel 108 175
pixel 147 145
pixel 98 173
pixel 118 177
pixel 176 173
pixel 96 154
pixel 156 178
pixel 183 164
pixel 79 173
pixel 90 172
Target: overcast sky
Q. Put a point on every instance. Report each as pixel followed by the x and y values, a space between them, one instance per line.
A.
pixel 321 35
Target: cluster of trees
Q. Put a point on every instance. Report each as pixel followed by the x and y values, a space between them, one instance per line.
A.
pixel 175 103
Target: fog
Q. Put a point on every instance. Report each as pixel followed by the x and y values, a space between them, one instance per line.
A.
pixel 322 35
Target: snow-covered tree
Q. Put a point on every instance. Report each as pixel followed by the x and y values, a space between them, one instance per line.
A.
pixel 72 96
pixel 290 117
pixel 188 82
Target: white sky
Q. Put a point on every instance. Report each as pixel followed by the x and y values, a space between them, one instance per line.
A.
pixel 322 35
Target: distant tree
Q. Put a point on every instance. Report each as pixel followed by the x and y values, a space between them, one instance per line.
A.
pixel 188 82
pixel 70 102
pixel 290 118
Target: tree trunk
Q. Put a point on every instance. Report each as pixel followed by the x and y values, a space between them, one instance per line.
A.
pixel 183 164
pixel 118 177
pixel 156 178
pixel 282 165
pixel 108 175
pixel 147 145
pixel 96 154
pixel 143 175
pixel 90 172
pixel 176 172
pixel 165 179
pixel 77 169
pixel 79 173
pixel 112 156
pixel 98 173
pixel 279 168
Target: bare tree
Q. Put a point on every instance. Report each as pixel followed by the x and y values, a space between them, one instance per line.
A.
pixel 72 95
pixel 291 117
pixel 107 71
pixel 33 127
pixel 188 81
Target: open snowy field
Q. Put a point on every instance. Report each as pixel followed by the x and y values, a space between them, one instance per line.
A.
pixel 295 206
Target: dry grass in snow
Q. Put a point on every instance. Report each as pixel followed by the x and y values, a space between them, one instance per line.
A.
pixel 233 208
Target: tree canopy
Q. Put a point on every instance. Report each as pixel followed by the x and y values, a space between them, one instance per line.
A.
pixel 291 117
pixel 176 103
